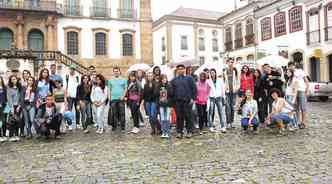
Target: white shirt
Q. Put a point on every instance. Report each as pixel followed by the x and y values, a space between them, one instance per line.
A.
pixel 73 82
pixel 217 89
pixel 299 76
pixel 99 95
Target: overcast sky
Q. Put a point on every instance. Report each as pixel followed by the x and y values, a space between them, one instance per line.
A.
pixel 162 7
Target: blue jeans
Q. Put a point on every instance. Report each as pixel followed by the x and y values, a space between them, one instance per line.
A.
pixel 86 113
pixel 284 117
pixel 230 107
pixel 245 123
pixel 165 117
pixel 151 110
pixel 29 112
pixel 290 99
pixel 219 102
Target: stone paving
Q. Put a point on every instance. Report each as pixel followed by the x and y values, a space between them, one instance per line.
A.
pixel 301 157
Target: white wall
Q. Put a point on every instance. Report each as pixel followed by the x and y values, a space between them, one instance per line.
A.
pixel 208 36
pixel 157 45
pixel 86 25
pixel 177 32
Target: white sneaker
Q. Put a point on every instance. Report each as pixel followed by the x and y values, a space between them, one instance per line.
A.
pixel 79 126
pixel 212 130
pixel 98 130
pixel 86 131
pixel 166 136
pixel 12 139
pixel 223 130
pixel 101 131
pixel 2 139
pixel 70 128
pixel 17 138
pixel 135 130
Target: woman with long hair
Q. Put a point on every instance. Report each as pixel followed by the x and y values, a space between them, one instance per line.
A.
pixel 203 91
pixel 44 87
pixel 28 106
pixel 3 101
pixel 165 104
pixel 246 81
pixel 217 98
pixel 98 97
pixel 260 96
pixel 133 97
pixel 291 88
pixel 14 102
pixel 249 112
pixel 150 97
pixel 83 95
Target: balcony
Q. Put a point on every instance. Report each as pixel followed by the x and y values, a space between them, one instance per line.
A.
pixel 328 33
pixel 250 39
pixel 313 37
pixel 229 46
pixel 75 11
pixel 127 13
pixel 100 12
pixel 239 43
pixel 31 5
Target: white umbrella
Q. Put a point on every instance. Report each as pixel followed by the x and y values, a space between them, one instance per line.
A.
pixel 139 66
pixel 218 66
pixel 274 61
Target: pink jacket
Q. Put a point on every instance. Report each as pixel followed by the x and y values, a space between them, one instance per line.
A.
pixel 203 92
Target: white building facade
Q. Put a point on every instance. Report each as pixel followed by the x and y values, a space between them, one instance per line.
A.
pixel 300 30
pixel 187 33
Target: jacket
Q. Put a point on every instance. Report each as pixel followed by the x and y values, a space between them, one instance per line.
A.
pixel 184 88
pixel 81 95
pixel 151 93
pixel 236 81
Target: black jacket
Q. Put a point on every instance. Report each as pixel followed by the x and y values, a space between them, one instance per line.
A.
pixel 259 91
pixel 184 88
pixel 81 95
pixel 151 93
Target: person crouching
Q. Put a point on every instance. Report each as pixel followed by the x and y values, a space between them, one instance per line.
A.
pixel 48 119
pixel 249 112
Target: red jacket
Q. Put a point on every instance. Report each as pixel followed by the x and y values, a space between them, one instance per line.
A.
pixel 247 83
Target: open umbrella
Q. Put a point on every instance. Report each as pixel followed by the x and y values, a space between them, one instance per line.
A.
pixel 184 61
pixel 164 70
pixel 274 61
pixel 139 66
pixel 218 66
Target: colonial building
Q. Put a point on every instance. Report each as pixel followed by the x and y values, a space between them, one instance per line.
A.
pixel 102 33
pixel 240 39
pixel 187 33
pixel 302 30
pixel 106 33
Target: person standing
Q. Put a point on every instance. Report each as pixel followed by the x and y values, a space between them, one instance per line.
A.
pixel 3 101
pixel 99 96
pixel 246 81
pixel 70 84
pixel 185 93
pixel 25 75
pixel 84 99
pixel 217 98
pixel 165 104
pixel 44 87
pixel 117 87
pixel 14 102
pixel 260 96
pixel 150 97
pixel 203 91
pixel 133 97
pixel 232 84
pixel 54 76
pixel 28 106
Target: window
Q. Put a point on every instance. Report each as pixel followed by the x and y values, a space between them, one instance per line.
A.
pixel 73 8
pixel 238 31
pixel 250 57
pixel 228 35
pixel 201 44
pixel 295 19
pixel 249 27
pixel 36 40
pixel 126 10
pixel 215 45
pixel 72 43
pixel 201 60
pixel 6 38
pixel 266 28
pixel 201 32
pixel 101 48
pixel 184 43
pixel 163 60
pixel 99 8
pixel 163 44
pixel 214 33
pixel 279 24
pixel 127 45
pixel 215 59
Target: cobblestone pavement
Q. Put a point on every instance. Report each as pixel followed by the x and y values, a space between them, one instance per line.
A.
pixel 301 157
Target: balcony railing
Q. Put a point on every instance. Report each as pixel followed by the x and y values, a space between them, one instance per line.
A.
pixel 328 33
pixel 239 43
pixel 229 46
pixel 127 13
pixel 32 5
pixel 250 39
pixel 313 37
pixel 70 10
pixel 100 12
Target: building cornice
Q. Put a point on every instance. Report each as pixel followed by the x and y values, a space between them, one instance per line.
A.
pixel 166 18
pixel 248 7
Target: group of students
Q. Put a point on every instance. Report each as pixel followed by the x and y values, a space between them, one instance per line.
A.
pixel 41 106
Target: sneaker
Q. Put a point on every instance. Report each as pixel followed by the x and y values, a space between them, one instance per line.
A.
pixel 101 131
pixel 200 133
pixel 162 136
pixel 86 131
pixel 17 138
pixel 70 128
pixel 179 136
pixel 135 130
pixel 12 139
pixel 223 130
pixel 189 135
pixel 212 130
pixel 98 130
pixel 79 126
pixel 196 126
pixel 166 136
pixel 2 139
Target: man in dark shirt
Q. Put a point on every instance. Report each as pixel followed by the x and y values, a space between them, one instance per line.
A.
pixel 184 94
pixel 271 80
